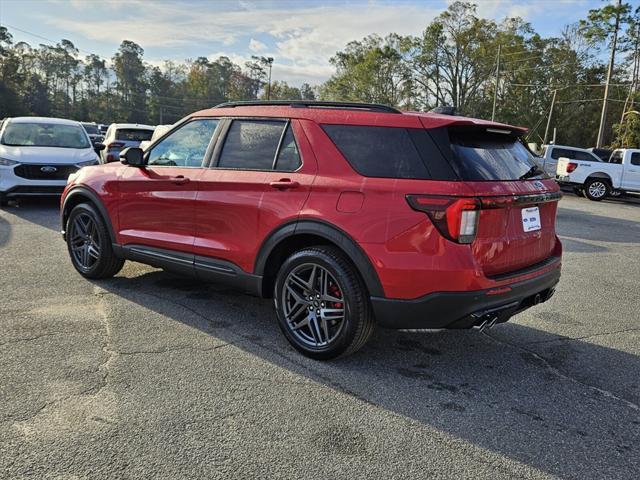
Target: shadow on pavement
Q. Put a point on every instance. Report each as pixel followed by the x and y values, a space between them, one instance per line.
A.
pixel 42 211
pixel 580 225
pixel 489 390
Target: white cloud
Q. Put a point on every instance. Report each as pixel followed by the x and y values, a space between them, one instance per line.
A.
pixel 256 45
pixel 305 37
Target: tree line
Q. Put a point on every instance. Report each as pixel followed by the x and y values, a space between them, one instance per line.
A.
pixel 481 67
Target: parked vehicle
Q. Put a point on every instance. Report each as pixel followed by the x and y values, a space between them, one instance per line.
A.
pixel 551 154
pixel 598 180
pixel 92 130
pixel 123 135
pixel 157 133
pixel 103 129
pixel 347 215
pixel 602 153
pixel 37 155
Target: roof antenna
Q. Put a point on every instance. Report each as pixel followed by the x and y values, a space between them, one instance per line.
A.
pixel 444 110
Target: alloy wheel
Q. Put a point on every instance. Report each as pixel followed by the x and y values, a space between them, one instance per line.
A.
pixel 313 305
pixel 85 241
pixel 597 189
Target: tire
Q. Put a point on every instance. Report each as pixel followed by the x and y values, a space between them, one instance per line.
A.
pixel 578 191
pixel 616 194
pixel 596 189
pixel 4 202
pixel 89 244
pixel 314 326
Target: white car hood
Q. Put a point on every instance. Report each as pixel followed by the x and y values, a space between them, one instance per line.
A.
pixel 47 155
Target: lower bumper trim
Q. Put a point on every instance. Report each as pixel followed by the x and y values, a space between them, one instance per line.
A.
pixel 464 309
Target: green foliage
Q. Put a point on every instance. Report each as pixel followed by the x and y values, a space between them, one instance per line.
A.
pixel 52 80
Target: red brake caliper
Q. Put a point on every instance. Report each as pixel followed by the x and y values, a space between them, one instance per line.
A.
pixel 335 291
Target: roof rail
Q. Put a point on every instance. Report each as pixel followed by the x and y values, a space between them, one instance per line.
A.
pixel 373 107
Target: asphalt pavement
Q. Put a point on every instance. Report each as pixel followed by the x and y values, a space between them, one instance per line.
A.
pixel 150 375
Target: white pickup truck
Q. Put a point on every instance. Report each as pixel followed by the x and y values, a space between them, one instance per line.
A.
pixel 551 153
pixel 598 180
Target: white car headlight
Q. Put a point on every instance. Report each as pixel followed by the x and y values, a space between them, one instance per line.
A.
pixel 88 162
pixel 5 162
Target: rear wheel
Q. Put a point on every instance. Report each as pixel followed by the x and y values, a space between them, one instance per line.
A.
pixel 596 189
pixel 322 304
pixel 3 201
pixel 89 244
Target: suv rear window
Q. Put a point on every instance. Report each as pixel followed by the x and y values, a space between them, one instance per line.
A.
pixel 133 134
pixel 378 151
pixel 486 156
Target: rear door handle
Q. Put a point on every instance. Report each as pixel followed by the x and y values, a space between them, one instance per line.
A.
pixel 284 183
pixel 180 180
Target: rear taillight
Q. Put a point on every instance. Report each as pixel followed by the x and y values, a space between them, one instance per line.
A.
pixel 114 145
pixel 571 167
pixel 455 218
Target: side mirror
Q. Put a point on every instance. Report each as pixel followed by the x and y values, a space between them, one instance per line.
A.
pixel 132 156
pixel 98 146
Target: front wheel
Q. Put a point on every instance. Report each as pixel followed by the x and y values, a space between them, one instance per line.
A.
pixel 596 189
pixel 89 244
pixel 322 304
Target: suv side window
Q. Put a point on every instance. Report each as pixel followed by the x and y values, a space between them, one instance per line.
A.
pixel 556 153
pixel 251 144
pixel 635 159
pixel 586 156
pixel 184 147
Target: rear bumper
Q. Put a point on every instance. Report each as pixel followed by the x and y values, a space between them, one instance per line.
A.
pixel 465 309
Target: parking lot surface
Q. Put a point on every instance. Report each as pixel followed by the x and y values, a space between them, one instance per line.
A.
pixel 150 375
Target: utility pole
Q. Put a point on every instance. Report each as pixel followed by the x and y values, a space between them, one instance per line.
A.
pixel 270 63
pixel 546 130
pixel 605 101
pixel 495 92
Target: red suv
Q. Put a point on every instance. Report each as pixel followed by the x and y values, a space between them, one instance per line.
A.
pixel 348 215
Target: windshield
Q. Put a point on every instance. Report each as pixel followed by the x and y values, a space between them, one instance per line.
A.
pixel 490 157
pixel 133 134
pixel 44 135
pixel 91 129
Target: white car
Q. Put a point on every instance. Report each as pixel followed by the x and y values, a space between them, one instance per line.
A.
pixel 157 133
pixel 598 180
pixel 38 154
pixel 122 135
pixel 551 154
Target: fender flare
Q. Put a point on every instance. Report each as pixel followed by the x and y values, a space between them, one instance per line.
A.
pixel 329 232
pixel 602 175
pixel 95 199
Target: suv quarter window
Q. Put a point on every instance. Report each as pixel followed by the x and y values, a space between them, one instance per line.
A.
pixel 184 147
pixel 288 159
pixel 383 152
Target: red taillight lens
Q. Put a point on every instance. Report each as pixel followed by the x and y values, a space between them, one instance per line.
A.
pixel 571 167
pixel 455 218
pixel 114 145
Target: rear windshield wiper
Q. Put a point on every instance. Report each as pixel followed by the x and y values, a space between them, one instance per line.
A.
pixel 532 172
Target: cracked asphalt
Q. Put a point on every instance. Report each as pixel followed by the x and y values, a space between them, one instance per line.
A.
pixel 150 375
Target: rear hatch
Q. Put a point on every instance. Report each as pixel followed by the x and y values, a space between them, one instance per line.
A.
pixel 516 200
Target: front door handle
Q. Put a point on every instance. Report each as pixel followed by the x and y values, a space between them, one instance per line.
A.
pixel 284 183
pixel 180 180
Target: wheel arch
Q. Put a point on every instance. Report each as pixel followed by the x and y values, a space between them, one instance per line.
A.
pixel 80 195
pixel 294 236
pixel 601 175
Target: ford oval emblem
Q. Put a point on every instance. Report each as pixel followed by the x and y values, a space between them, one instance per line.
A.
pixel 48 169
pixel 538 184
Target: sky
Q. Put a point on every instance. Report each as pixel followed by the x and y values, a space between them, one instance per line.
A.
pixel 300 35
